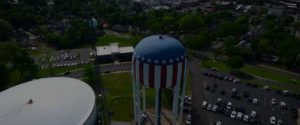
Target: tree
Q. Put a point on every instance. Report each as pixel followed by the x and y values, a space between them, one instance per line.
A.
pixel 5 30
pixel 217 52
pixel 235 62
pixel 230 41
pixel 199 41
pixel 90 75
pixel 190 23
pixel 264 45
pixel 16 65
pixel 3 76
pixel 25 65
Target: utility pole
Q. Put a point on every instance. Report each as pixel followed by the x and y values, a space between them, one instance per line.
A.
pixel 98 86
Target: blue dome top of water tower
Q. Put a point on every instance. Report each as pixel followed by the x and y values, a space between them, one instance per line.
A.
pixel 159 49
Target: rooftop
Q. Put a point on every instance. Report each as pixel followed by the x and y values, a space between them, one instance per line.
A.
pixel 113 49
pixel 47 101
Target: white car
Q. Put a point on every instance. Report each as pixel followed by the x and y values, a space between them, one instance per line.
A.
pixel 246 118
pixel 273 101
pixel 253 114
pixel 218 123
pixel 214 108
pixel 272 120
pixel 188 120
pixel 282 104
pixel 204 104
pixel 236 80
pixel 209 106
pixel 255 101
pixel 233 114
pixel 239 116
pixel 229 105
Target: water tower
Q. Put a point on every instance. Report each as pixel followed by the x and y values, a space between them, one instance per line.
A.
pixel 159 62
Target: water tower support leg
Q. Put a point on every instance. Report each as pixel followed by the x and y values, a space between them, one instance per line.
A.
pixel 183 90
pixel 157 106
pixel 175 104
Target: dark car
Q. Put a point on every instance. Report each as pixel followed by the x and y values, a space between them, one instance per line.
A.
pixel 215 85
pixel 245 94
pixel 227 112
pixel 207 88
pixel 222 92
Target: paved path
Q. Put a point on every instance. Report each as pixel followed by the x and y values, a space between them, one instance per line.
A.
pixel 279 70
pixel 198 118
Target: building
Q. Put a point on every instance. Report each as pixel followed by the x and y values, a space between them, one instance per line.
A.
pixel 49 101
pixel 114 53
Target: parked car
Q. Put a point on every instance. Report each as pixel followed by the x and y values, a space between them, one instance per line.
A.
pixel 253 114
pixel 215 85
pixel 255 101
pixel 214 108
pixel 272 120
pixel 285 92
pixel 222 92
pixel 204 104
pixel 234 92
pixel 279 122
pixel 233 115
pixel 282 105
pixel 218 123
pixel 225 78
pixel 209 106
pixel 227 112
pixel 214 69
pixel 246 118
pixel 266 88
pixel 273 101
pixel 245 94
pixel 239 116
pixel 188 120
pixel 207 87
pixel 229 105
pixel 219 101
pixel 236 81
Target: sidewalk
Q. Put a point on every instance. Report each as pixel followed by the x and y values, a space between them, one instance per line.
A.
pixel 277 69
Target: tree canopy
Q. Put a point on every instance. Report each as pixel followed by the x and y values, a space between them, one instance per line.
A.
pixel 5 30
pixel 235 62
pixel 198 41
pixel 190 23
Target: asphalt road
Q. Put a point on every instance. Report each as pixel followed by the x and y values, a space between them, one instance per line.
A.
pixel 198 117
pixel 264 109
pixel 104 69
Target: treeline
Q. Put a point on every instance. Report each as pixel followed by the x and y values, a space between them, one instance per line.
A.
pixel 16 65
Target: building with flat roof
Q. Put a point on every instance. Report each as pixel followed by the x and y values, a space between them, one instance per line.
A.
pixel 114 53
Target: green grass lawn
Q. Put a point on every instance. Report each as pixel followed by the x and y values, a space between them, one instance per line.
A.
pixel 119 95
pixel 270 74
pixel 53 71
pixel 107 39
pixel 258 71
pixel 212 63
pixel 119 85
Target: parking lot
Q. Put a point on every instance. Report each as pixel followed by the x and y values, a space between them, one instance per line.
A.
pixel 63 58
pixel 246 99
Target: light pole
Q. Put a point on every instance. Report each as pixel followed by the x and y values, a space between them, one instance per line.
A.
pixel 98 87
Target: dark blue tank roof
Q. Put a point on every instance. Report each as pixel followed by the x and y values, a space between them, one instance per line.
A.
pixel 160 49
